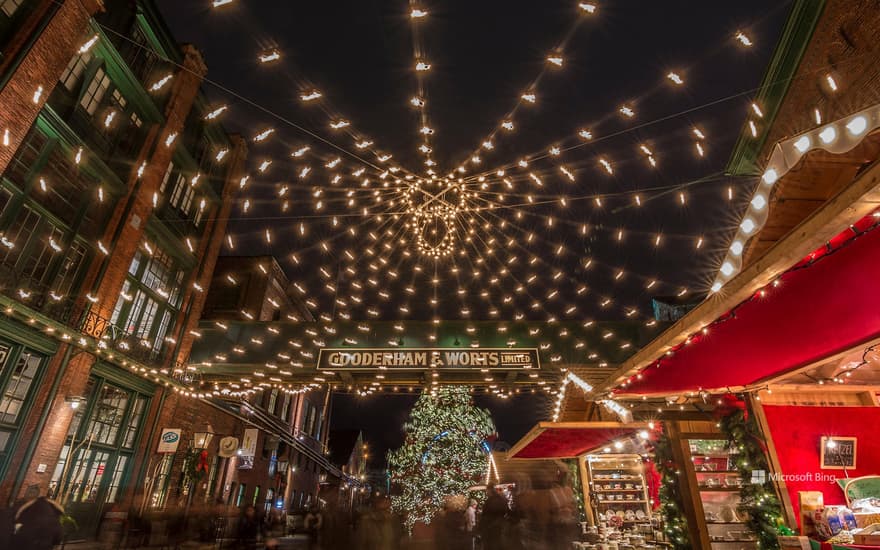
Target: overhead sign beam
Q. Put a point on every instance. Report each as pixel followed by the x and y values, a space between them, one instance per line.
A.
pixel 417 359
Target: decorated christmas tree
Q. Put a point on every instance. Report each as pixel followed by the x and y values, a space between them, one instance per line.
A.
pixel 446 451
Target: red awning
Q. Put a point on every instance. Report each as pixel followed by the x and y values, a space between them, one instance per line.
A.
pixel 822 307
pixel 570 439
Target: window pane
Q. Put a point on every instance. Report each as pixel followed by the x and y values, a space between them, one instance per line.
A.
pixel 160 484
pixel 107 414
pixel 70 269
pixel 95 92
pixel 166 177
pixel 124 297
pixel 159 340
pixel 156 273
pixel 17 387
pixel 121 462
pixel 74 71
pixel 36 263
pixel 136 415
pixel 88 471
pixel 22 229
pixel 9 6
pixel 146 321
pixel 80 411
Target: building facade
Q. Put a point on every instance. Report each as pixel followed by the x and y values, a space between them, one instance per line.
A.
pixel 114 191
pixel 256 289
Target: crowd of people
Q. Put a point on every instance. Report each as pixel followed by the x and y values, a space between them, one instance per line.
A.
pixel 511 517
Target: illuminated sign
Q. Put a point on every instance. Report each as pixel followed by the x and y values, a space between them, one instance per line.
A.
pixel 426 358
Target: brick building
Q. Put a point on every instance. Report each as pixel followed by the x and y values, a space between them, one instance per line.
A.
pixel 256 289
pixel 114 195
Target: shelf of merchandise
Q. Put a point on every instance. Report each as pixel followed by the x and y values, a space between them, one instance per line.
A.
pixel 609 475
pixel 717 489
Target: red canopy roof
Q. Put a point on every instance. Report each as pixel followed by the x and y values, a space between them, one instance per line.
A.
pixel 829 303
pixel 570 439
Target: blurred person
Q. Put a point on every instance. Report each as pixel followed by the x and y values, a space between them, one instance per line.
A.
pixel 563 512
pixel 37 522
pixel 336 520
pixel 313 524
pixel 452 522
pixel 493 521
pixel 248 527
pixel 376 528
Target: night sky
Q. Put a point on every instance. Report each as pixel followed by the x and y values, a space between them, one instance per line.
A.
pixel 589 260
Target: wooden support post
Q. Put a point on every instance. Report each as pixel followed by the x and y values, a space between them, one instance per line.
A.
pixel 773 461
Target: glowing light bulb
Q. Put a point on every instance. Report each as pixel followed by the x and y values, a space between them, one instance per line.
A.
pixel 218 3
pixel 507 125
pixel 606 165
pixel 417 102
pixel 311 96
pixel 423 66
pixel 418 13
pixel 627 111
pixel 857 125
pixel 587 7
pixel 363 144
pixel 159 84
pixel 555 59
pixel 339 124
pixel 727 269
pixel 675 78
pixel 426 130
pixel 742 39
pixel 803 143
pixel 531 98
pixel 88 45
pixel 264 134
pixel 828 135
pixel 759 202
pixel 38 93
pixel 269 56
pixel 216 112
pixel 831 82
pixel 757 110
pixel 737 248
pixel 585 134
pixel 748 225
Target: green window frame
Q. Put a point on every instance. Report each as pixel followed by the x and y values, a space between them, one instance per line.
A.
pixel 150 299
pixel 45 201
pixel 21 371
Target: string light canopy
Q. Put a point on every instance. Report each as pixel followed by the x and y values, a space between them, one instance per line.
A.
pixel 622 202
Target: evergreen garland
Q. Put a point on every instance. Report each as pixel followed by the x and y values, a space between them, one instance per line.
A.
pixel 445 452
pixel 671 499
pixel 758 495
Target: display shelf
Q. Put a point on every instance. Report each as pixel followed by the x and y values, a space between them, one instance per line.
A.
pixel 716 497
pixel 605 471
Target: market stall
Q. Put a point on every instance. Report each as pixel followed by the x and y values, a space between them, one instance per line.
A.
pixel 618 480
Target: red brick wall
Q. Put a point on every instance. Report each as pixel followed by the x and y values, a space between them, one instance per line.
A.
pixel 42 66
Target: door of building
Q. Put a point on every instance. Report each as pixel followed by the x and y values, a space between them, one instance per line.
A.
pixel 102 439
